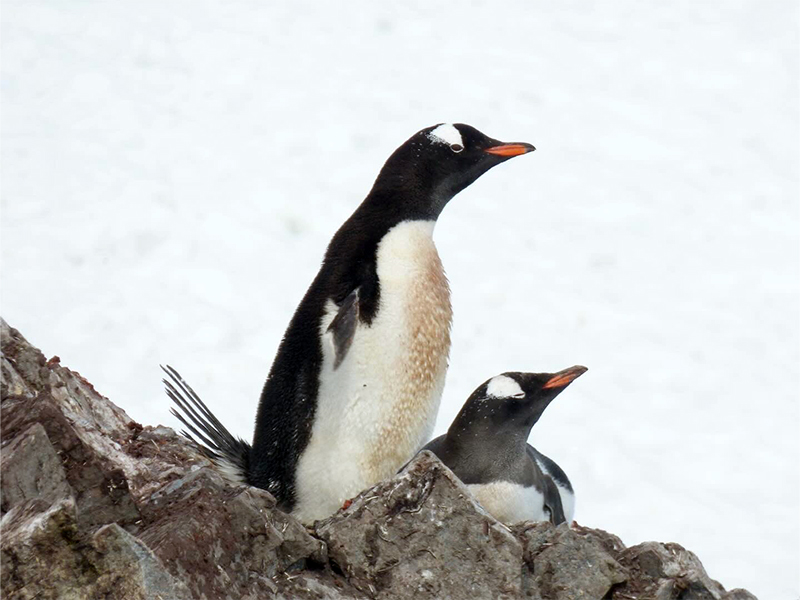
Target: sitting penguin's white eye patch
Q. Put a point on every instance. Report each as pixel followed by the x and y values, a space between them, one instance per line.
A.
pixel 503 386
pixel 446 134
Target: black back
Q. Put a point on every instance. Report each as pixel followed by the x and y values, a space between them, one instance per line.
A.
pixel 416 183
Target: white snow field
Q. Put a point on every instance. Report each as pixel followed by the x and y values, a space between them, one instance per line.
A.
pixel 172 173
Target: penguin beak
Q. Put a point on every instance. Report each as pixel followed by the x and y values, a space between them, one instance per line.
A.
pixel 509 150
pixel 565 377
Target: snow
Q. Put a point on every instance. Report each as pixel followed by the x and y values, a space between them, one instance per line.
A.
pixel 172 173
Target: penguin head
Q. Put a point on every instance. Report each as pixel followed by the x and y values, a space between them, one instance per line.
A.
pixel 436 163
pixel 511 403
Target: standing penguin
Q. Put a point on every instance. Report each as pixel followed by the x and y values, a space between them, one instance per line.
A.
pixel 486 447
pixel 356 383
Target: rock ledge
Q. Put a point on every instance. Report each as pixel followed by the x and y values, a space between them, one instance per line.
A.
pixel 95 505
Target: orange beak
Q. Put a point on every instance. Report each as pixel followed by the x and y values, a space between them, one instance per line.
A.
pixel 565 377
pixel 509 150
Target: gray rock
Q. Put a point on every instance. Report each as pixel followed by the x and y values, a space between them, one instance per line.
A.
pixel 31 469
pixel 96 506
pixel 421 535
pixel 566 564
pixel 738 594
pixel 665 572
pixel 44 556
pixel 316 585
pixel 128 570
pixel 83 427
pixel 39 517
pixel 238 540
pixel 73 459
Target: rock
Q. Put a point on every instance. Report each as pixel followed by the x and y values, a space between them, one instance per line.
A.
pixel 421 534
pixel 45 556
pixel 31 469
pixel 238 541
pixel 42 555
pixel 127 569
pixel 665 572
pixel 68 449
pixel 81 425
pixel 96 506
pixel 738 594
pixel 562 564
pixel 318 585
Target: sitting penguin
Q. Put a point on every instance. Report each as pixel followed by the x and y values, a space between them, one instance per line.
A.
pixel 486 447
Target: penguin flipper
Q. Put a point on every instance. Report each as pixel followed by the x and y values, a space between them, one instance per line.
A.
pixel 343 327
pixel 552 501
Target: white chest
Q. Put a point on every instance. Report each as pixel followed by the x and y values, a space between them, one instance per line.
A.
pixel 510 502
pixel 379 406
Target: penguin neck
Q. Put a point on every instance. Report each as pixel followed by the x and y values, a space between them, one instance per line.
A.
pixel 493 443
pixel 377 226
pixel 486 458
pixel 407 197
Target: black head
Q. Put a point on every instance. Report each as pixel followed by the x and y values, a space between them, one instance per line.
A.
pixel 423 174
pixel 508 405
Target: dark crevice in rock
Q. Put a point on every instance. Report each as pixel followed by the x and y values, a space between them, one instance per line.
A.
pixel 336 568
pixel 609 595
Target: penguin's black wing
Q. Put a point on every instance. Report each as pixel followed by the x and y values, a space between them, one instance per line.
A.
pixel 552 501
pixel 552 497
pixel 434 446
pixel 343 327
pixel 551 467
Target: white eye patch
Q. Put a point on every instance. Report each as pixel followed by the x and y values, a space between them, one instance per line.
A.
pixel 503 386
pixel 446 134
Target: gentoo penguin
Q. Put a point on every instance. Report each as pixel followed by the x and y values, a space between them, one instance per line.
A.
pixel 486 447
pixel 355 386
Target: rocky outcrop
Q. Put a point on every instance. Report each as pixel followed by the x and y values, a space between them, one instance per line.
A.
pixel 96 506
pixel 421 535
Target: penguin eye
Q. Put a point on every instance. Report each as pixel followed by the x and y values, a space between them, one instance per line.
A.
pixel 456 148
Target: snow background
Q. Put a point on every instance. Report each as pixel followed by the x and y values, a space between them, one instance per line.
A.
pixel 173 171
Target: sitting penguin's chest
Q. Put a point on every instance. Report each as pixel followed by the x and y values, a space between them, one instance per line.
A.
pixel 511 502
pixel 379 405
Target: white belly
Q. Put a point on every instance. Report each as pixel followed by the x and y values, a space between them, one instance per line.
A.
pixel 510 502
pixel 379 406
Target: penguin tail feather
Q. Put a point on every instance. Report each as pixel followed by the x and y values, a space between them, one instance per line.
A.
pixel 230 454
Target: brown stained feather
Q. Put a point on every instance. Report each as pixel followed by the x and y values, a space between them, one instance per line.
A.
pixel 430 315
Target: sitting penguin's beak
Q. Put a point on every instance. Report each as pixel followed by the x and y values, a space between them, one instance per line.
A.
pixel 509 150
pixel 565 377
